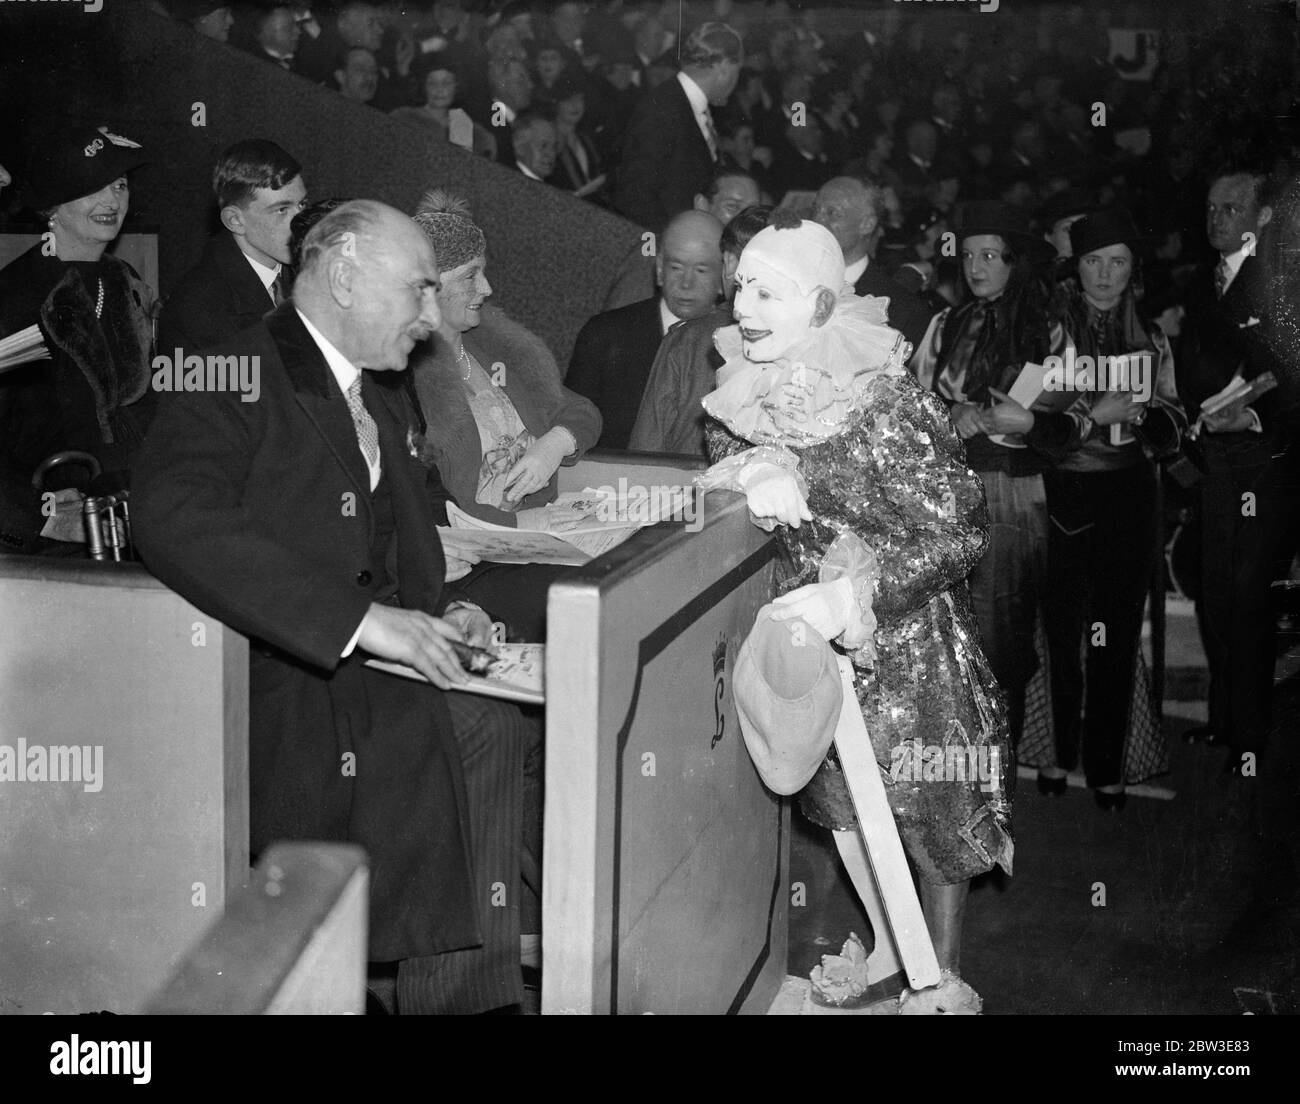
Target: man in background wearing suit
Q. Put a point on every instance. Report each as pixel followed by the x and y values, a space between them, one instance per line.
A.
pixel 302 521
pixel 259 188
pixel 854 211
pixel 614 351
pixel 671 147
pixel 1240 523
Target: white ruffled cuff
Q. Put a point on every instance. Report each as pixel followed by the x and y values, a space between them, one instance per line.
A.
pixel 849 557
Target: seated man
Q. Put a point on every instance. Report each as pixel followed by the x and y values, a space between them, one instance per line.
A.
pixel 356 75
pixel 258 188
pixel 534 141
pixel 302 521
pixel 671 418
pixel 614 351
pixel 728 192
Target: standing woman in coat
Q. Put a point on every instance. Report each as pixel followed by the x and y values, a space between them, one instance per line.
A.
pixel 1104 508
pixel 970 357
pixel 95 316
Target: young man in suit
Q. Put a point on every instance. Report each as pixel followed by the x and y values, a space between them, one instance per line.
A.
pixel 302 521
pixel 258 188
pixel 1223 336
pixel 671 147
pixel 614 351
pixel 854 211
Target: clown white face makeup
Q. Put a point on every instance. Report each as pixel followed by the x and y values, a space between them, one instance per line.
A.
pixel 774 315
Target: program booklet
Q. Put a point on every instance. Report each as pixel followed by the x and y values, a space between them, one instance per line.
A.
pixel 517 674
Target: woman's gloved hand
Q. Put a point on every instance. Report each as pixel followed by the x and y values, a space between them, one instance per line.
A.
pixel 773 493
pixel 539 462
pixel 825 606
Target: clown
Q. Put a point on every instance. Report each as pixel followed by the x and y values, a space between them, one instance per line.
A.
pixel 861 475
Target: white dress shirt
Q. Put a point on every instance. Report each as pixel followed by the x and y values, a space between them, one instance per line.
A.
pixel 345 372
pixel 1233 262
pixel 268 276
pixel 853 273
pixel 667 319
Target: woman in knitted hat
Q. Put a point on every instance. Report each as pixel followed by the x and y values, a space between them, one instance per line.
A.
pixel 499 423
pixel 95 316
pixel 1103 503
pixel 835 446
pixel 970 357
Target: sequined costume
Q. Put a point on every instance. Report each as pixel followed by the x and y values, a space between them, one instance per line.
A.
pixel 888 479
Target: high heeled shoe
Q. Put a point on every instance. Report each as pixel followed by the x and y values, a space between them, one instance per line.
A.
pixel 1110 802
pixel 1054 786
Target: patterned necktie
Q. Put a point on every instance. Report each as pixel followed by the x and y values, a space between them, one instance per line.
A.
pixel 1220 277
pixel 277 288
pixel 711 134
pixel 367 431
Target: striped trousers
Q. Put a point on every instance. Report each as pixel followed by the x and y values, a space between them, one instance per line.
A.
pixel 501 752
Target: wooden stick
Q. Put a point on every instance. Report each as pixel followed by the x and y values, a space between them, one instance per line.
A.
pixel 884 849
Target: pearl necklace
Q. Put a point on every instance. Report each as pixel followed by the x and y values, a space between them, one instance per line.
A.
pixel 463 357
pixel 99 302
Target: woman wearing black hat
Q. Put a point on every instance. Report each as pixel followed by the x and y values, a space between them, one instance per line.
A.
pixel 95 317
pixel 971 356
pixel 1103 503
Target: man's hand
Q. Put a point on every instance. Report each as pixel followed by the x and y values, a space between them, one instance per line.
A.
pixel 475 626
pixel 404 53
pixel 593 185
pixel 1005 415
pixel 1231 419
pixel 966 420
pixel 415 638
pixel 459 566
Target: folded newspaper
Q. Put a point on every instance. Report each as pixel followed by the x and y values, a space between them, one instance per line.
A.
pixel 573 530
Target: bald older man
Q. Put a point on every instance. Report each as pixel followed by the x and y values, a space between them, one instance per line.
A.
pixel 301 521
pixel 614 352
pixel 854 211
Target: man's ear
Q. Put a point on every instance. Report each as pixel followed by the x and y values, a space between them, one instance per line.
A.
pixel 338 77
pixel 232 218
pixel 1265 217
pixel 341 274
pixel 700 203
pixel 659 269
pixel 825 307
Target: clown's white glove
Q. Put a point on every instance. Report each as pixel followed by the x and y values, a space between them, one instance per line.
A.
pixel 774 495
pixel 825 606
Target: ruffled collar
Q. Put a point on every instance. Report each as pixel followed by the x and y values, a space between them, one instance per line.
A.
pixel 809 394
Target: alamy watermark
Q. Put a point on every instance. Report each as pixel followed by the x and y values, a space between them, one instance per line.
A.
pixel 26 762
pixel 637 504
pixel 918 762
pixel 1134 372
pixel 239 374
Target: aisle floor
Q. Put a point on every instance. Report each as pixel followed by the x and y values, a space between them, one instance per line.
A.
pixel 1199 915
